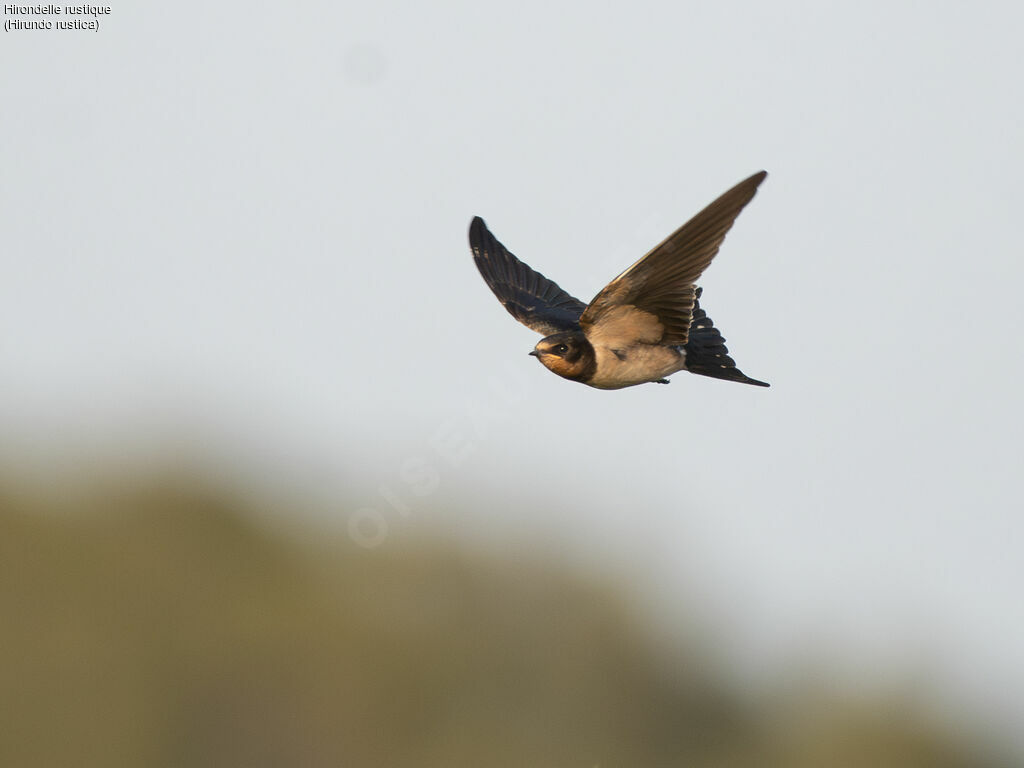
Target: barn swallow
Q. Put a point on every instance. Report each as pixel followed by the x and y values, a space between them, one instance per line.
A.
pixel 644 325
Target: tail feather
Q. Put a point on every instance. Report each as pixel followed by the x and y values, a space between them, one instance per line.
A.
pixel 706 353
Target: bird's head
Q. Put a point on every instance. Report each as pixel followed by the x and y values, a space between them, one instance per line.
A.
pixel 568 354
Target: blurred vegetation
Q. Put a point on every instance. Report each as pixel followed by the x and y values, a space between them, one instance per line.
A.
pixel 166 625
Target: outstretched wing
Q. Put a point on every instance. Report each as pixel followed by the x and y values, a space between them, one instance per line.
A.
pixel 530 298
pixel 653 300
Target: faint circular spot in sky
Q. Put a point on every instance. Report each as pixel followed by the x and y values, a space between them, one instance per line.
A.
pixel 364 64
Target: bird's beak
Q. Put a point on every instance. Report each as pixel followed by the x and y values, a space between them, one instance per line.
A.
pixel 535 353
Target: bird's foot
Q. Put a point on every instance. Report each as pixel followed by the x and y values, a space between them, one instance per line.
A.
pixel 662 381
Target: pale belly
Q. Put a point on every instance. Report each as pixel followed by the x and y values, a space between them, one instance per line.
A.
pixel 635 365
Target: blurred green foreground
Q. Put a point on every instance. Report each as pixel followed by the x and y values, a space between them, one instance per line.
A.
pixel 166 626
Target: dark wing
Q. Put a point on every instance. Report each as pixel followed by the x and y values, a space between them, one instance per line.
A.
pixel 653 300
pixel 530 298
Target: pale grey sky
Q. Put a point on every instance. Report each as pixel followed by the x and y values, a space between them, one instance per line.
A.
pixel 242 228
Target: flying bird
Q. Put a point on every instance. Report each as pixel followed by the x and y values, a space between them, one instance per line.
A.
pixel 644 325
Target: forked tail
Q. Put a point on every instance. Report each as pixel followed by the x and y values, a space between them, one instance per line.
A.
pixel 706 353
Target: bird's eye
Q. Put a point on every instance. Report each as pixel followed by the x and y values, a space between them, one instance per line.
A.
pixel 561 349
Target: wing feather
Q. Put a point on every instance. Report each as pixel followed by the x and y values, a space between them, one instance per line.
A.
pixel 532 299
pixel 662 283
